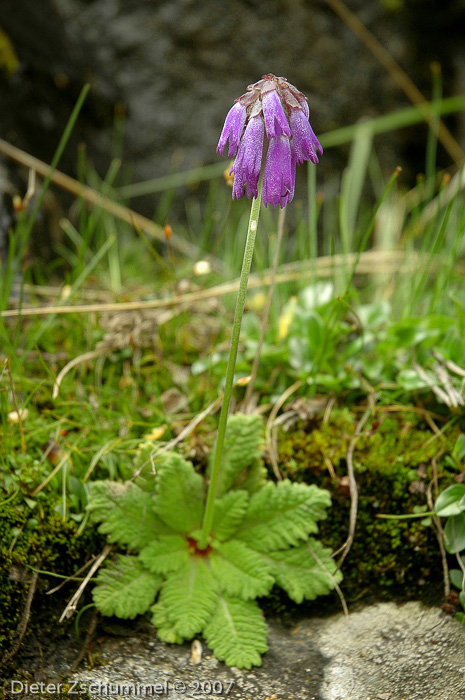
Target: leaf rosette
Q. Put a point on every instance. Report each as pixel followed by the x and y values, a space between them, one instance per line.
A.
pixel 262 535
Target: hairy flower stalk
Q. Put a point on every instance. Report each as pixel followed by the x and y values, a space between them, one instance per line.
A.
pixel 268 124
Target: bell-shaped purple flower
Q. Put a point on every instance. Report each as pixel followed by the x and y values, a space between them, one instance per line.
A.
pixel 289 196
pixel 232 129
pixel 276 120
pixel 248 161
pixel 304 140
pixel 277 176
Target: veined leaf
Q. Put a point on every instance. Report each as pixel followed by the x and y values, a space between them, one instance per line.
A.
pixel 168 553
pixel 229 512
pixel 125 588
pixel 450 501
pixel 253 478
pixel 242 467
pixel 304 572
pixel 240 571
pixel 454 533
pixel 189 597
pixel 165 630
pixel 180 493
pixel 127 513
pixel 237 632
pixel 283 514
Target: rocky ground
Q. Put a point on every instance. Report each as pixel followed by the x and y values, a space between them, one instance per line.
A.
pixel 380 652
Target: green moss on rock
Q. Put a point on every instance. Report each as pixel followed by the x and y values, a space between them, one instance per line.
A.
pixel 40 540
pixel 393 466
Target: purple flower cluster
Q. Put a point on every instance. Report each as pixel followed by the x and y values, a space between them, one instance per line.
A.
pixel 270 121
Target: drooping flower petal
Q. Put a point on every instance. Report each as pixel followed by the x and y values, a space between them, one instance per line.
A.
pixel 248 161
pixel 277 176
pixel 289 196
pixel 253 149
pixel 304 140
pixel 276 122
pixel 232 129
pixel 238 184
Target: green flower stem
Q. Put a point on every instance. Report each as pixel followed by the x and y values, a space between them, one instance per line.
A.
pixel 240 302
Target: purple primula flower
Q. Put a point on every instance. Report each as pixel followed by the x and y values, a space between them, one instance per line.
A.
pixel 275 120
pixel 248 161
pixel 277 176
pixel 232 129
pixel 277 133
pixel 286 198
pixel 304 140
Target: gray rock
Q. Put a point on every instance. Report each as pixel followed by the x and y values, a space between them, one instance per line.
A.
pixel 178 65
pixel 392 652
pixel 381 652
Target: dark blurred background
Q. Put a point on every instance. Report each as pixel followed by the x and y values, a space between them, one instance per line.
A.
pixel 177 65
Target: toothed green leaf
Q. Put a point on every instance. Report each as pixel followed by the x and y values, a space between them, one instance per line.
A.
pixel 283 514
pixel 189 597
pixel 165 630
pixel 125 588
pixel 240 571
pixel 304 572
pixel 141 471
pixel 166 554
pixel 180 493
pixel 229 511
pixel 253 479
pixel 259 536
pixel 241 462
pixel 127 513
pixel 237 632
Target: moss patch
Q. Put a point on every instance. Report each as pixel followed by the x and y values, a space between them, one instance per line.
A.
pixel 393 466
pixel 46 542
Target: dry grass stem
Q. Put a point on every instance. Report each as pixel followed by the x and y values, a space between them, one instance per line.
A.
pixel 442 199
pixel 71 607
pixel 389 262
pixel 334 582
pixel 270 443
pixel 73 577
pixel 353 486
pixel 22 625
pixel 185 432
pixel 91 355
pixel 398 74
pixel 54 471
pixel 94 198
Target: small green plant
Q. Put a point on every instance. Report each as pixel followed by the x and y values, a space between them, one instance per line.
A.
pixel 261 535
pixel 450 504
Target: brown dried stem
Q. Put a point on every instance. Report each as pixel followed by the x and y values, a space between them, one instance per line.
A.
pixel 353 486
pixel 368 262
pixel 94 198
pixel 22 626
pixel 398 75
